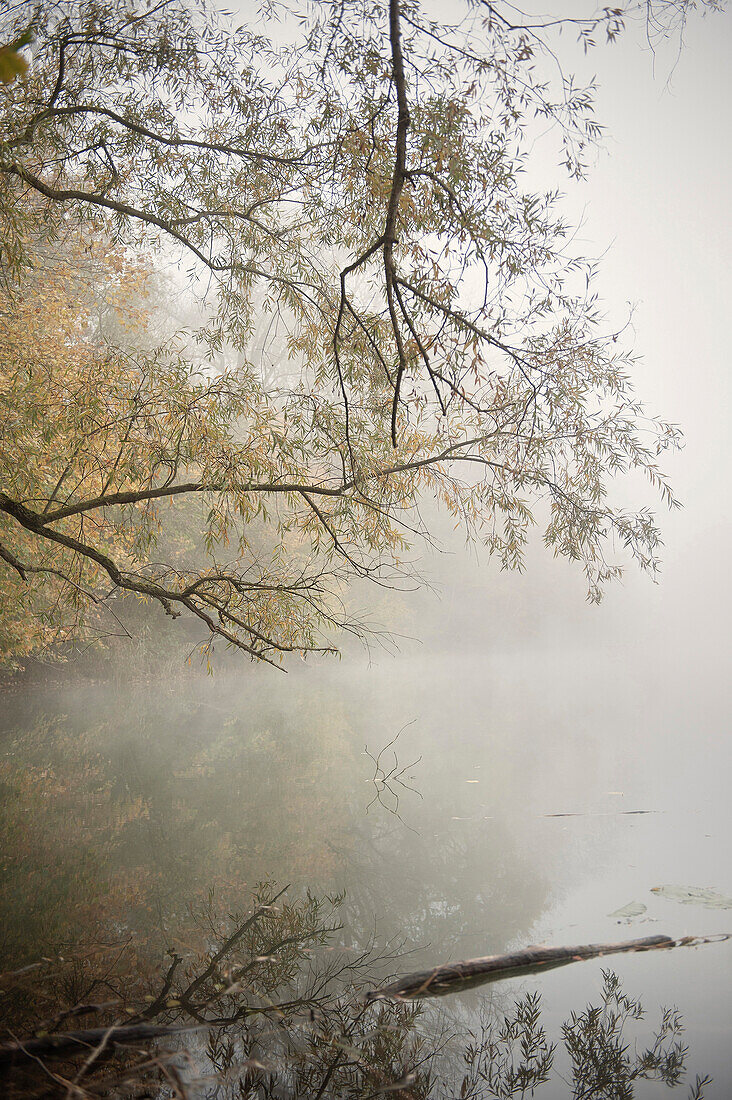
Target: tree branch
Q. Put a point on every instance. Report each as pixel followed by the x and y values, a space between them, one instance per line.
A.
pixel 397 185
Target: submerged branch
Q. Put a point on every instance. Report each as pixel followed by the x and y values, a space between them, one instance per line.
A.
pixel 49 1046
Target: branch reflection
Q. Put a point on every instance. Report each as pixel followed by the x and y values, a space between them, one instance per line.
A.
pixel 269 1003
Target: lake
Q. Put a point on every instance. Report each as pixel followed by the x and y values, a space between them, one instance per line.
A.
pixel 465 803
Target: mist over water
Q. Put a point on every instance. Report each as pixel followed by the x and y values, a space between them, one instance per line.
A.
pixel 548 767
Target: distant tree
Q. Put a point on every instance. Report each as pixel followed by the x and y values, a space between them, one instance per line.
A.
pixel 346 193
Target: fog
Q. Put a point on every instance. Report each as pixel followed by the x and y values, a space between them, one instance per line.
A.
pixel 558 760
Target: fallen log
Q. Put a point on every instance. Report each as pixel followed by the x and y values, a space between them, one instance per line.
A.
pixel 70 1042
pixel 457 976
pixel 449 978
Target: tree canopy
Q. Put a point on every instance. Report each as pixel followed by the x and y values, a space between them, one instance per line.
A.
pixel 388 313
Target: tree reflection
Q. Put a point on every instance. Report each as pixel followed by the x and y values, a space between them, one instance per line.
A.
pixel 124 821
pixel 513 1056
pixel 269 1004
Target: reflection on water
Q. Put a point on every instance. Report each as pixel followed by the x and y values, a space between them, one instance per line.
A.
pixel 124 815
pixel 166 797
pixel 268 1003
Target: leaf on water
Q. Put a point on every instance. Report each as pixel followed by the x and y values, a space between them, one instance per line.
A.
pixel 693 895
pixel 632 909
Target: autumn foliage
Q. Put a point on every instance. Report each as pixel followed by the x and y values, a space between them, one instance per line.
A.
pixel 386 315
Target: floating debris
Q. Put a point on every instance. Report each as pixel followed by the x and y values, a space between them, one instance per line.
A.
pixel 632 909
pixel 693 895
pixel 606 813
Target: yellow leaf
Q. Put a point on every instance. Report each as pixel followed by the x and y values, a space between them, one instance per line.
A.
pixel 12 64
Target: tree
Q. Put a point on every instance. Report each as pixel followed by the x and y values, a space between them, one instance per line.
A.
pixel 352 195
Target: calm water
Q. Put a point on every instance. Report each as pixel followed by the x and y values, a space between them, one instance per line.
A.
pixel 519 772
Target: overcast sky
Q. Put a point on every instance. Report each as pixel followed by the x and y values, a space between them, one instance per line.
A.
pixel 659 196
pixel 656 204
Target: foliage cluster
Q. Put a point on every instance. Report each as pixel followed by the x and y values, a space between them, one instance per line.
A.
pixel 390 314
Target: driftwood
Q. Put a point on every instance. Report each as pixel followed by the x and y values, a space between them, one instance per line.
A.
pixel 70 1042
pixel 450 978
pixel 457 976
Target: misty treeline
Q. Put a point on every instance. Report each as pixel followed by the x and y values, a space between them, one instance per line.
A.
pixel 268 289
pixel 128 805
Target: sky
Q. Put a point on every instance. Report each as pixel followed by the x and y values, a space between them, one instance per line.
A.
pixel 658 197
pixel 655 207
pixel 665 185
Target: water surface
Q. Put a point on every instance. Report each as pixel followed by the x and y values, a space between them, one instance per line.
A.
pixel 539 791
